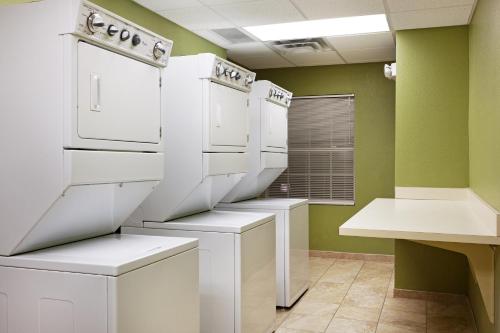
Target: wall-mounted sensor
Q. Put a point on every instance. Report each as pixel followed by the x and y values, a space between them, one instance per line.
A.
pixel 390 71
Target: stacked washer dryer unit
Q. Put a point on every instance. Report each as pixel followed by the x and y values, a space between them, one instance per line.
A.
pixel 206 156
pixel 268 152
pixel 81 148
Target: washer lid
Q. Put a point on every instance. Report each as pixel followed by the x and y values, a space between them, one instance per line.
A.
pixel 267 203
pixel 216 221
pixel 111 255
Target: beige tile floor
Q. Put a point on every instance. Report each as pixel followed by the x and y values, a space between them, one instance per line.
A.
pixel 355 296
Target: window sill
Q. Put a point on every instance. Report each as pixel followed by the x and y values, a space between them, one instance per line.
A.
pixel 332 202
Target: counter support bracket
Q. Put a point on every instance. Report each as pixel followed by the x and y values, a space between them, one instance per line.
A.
pixel 481 259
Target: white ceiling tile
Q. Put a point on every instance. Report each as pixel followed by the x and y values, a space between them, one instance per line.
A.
pixel 439 17
pixel 159 5
pixel 367 41
pixel 369 55
pixel 259 12
pixel 248 49
pixel 196 18
pixel 319 9
pixel 221 2
pixel 314 58
pixel 405 5
pixel 262 61
pixel 213 37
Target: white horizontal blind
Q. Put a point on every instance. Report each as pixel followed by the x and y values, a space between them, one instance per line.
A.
pixel 320 150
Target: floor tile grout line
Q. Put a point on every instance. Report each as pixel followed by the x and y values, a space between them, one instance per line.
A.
pixel 383 304
pixel 343 298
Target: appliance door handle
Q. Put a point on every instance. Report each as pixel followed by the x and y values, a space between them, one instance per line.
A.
pixel 270 123
pixel 95 92
pixel 218 116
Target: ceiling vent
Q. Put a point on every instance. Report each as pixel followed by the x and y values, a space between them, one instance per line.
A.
pixel 306 45
pixel 233 35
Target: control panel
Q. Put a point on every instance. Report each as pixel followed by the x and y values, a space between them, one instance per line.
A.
pixel 105 28
pixel 279 96
pixel 233 75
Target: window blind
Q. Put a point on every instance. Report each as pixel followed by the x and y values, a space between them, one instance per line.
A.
pixel 320 151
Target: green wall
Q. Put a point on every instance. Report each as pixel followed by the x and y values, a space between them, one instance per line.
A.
pixel 484 128
pixel 468 146
pixel 484 112
pixel 185 42
pixel 374 144
pixel 431 107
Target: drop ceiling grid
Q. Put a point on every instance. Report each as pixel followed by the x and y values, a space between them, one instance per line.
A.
pixel 201 16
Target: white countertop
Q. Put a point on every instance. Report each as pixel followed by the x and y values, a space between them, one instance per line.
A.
pixel 265 203
pixel 110 255
pixel 215 221
pixel 429 220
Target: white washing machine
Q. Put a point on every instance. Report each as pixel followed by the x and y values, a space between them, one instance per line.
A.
pixel 82 146
pixel 292 243
pixel 268 153
pixel 237 267
pixel 109 284
pixel 206 137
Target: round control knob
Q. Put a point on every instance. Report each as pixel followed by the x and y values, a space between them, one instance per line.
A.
pixel 248 80
pixel 159 50
pixel 219 69
pixel 124 35
pixel 136 40
pixel 112 30
pixel 232 75
pixel 95 22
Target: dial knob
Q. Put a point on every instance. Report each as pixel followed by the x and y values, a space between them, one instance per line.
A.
pixel 232 75
pixel 112 30
pixel 136 40
pixel 124 35
pixel 159 50
pixel 219 69
pixel 248 80
pixel 95 22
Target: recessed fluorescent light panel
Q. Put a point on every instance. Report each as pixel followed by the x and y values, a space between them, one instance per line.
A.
pixel 342 26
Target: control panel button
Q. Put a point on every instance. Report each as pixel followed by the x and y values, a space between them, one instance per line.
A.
pixel 238 76
pixel 159 50
pixel 95 22
pixel 124 35
pixel 112 30
pixel 136 40
pixel 248 80
pixel 219 69
pixel 232 75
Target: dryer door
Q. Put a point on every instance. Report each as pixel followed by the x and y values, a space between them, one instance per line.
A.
pixel 274 127
pixel 118 97
pixel 228 117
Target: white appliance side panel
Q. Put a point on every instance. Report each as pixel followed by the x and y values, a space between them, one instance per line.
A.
pixel 274 126
pixel 118 98
pixel 257 275
pixel 183 125
pixel 227 119
pixel 55 302
pixel 280 257
pixel 297 251
pixel 84 212
pixel 31 117
pixel 217 276
pixel 161 297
